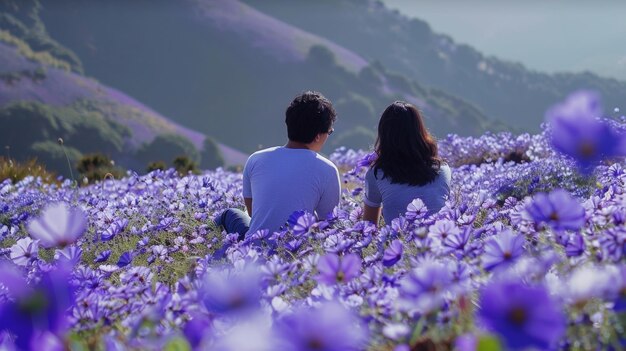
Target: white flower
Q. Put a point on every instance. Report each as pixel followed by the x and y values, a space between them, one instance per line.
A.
pixel 58 225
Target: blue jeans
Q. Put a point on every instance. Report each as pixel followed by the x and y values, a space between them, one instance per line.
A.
pixel 234 220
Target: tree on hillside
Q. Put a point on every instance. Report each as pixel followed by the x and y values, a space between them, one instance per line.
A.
pixel 211 155
pixel 167 147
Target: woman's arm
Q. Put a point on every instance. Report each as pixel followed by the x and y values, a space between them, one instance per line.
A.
pixel 371 214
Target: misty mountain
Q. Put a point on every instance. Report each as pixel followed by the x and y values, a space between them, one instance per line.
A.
pixel 228 70
pixel 505 91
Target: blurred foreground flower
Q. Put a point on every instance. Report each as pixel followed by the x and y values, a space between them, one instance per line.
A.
pixel 576 131
pixel 58 225
pixel 330 327
pixel 558 209
pixel 334 269
pixel 523 316
pixel 36 316
pixel 423 289
pixel 226 291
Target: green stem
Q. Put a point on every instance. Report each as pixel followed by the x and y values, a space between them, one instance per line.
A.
pixel 417 331
pixel 69 164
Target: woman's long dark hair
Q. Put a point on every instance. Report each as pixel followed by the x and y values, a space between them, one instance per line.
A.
pixel 406 151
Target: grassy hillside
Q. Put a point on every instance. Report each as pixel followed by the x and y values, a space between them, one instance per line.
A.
pixel 44 97
pixel 226 69
pixel 505 91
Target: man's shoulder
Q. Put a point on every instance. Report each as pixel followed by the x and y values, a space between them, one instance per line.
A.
pixel 326 163
pixel 262 153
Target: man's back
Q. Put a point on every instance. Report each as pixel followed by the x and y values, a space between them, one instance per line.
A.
pixel 282 180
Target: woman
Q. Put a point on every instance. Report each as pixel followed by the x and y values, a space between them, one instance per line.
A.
pixel 407 166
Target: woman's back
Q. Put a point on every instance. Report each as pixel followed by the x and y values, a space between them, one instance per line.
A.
pixel 395 197
pixel 407 166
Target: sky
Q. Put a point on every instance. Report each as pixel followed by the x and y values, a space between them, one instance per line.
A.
pixel 544 35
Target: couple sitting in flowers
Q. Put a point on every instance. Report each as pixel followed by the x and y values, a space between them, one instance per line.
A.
pixel 281 180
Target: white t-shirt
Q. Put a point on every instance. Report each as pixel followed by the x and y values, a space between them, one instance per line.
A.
pixel 281 180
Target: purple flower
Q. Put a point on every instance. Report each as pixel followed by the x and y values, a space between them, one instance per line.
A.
pixel 35 310
pixel 24 251
pixel 70 255
pixel 444 228
pixel 225 291
pixel 574 245
pixel 330 327
pixel 367 160
pixel 416 209
pixel 301 222
pixel 58 225
pixel 466 342
pixel 620 302
pixel 125 259
pixel 558 209
pixel 613 243
pixel 334 269
pixel 114 228
pixel 196 330
pixel 523 316
pixel 393 254
pixel 141 275
pixel 502 249
pixel 460 243
pixel 577 133
pixel 102 256
pixel 422 289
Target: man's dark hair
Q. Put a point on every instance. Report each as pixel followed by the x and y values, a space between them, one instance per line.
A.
pixel 308 115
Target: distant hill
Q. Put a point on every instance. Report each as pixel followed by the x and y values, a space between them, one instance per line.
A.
pixel 228 70
pixel 44 97
pixel 505 91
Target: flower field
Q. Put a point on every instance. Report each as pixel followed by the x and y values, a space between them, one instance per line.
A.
pixel 528 253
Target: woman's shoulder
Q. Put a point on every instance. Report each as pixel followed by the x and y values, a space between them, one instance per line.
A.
pixel 444 167
pixel 373 174
pixel 445 171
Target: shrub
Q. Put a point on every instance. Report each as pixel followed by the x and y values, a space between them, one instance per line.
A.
pixel 16 171
pixel 167 147
pixel 97 167
pixel 211 155
pixel 153 166
pixel 184 165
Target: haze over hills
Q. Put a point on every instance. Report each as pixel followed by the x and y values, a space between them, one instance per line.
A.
pixel 505 91
pixel 545 36
pixel 228 70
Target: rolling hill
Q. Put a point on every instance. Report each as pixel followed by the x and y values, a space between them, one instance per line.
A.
pixel 505 91
pixel 228 70
pixel 43 97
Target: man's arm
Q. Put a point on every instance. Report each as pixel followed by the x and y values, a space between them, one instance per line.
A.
pixel 248 201
pixel 371 214
pixel 247 186
pixel 330 196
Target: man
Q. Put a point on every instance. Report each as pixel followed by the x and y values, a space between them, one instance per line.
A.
pixel 280 180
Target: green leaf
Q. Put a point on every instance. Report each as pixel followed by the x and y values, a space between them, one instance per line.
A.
pixel 76 342
pixel 177 344
pixel 488 343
